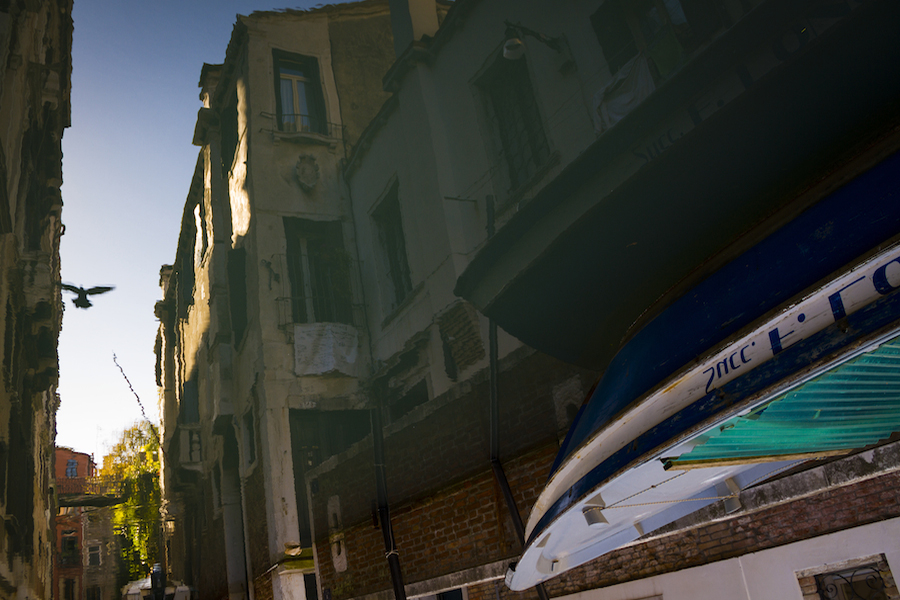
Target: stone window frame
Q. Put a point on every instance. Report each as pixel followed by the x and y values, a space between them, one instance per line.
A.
pixel 93 548
pixel 249 441
pixel 392 250
pixel 313 88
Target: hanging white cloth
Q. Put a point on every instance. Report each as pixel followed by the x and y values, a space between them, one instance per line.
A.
pixel 323 348
pixel 629 87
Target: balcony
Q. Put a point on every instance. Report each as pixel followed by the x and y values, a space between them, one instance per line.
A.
pixel 89 491
pixel 69 559
pixel 305 129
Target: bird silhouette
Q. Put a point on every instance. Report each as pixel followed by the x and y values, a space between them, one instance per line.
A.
pixel 81 295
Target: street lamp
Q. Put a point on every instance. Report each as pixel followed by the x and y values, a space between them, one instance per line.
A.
pixel 514 47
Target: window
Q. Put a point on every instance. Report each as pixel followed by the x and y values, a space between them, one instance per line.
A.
pixel 69 589
pixel 229 130
pixel 217 486
pixel 456 594
pixel 316 436
pixel 190 400
pixel 68 553
pixel 393 248
pixel 309 583
pixel 614 35
pixel 319 272
pixel 71 468
pixel 93 593
pixel 516 120
pixel 184 274
pixel 416 396
pixel 249 439
pixel 237 292
pixel 94 556
pixel 298 93
pixel 201 243
pixel 665 30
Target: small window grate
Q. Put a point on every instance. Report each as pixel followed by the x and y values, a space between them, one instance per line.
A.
pixel 862 583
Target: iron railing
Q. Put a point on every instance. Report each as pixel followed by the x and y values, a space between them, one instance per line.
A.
pixel 70 559
pixel 864 583
pixel 331 300
pixel 93 486
pixel 299 123
pixel 292 311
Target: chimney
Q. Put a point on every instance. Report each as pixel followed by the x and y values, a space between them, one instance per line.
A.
pixel 410 20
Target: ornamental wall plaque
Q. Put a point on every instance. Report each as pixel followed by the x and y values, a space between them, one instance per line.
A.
pixel 307 171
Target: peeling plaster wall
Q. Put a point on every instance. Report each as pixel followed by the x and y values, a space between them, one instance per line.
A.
pixel 35 54
pixel 362 52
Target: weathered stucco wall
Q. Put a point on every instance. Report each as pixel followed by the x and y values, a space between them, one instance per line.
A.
pixel 35 54
pixel 361 53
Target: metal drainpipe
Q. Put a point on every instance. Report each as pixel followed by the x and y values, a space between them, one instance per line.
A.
pixel 384 512
pixel 496 466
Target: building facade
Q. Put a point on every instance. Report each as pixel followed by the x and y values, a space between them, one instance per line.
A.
pixel 264 266
pixel 72 472
pixel 625 187
pixel 295 315
pixel 86 563
pixel 35 51
pixel 101 556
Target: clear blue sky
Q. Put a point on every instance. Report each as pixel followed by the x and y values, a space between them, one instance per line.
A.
pixel 127 167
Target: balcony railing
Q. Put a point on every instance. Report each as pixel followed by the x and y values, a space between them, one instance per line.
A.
pixel 299 123
pixel 70 559
pixel 294 310
pixel 78 491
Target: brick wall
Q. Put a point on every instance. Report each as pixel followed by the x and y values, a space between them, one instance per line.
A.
pixel 461 334
pixel 836 509
pixel 491 590
pixel 447 512
pixel 459 527
pixel 445 522
pixel 433 448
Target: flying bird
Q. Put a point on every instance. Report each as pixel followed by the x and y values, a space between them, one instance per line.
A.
pixel 81 295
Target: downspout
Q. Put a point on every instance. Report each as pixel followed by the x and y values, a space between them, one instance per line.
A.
pixel 384 511
pixel 496 466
